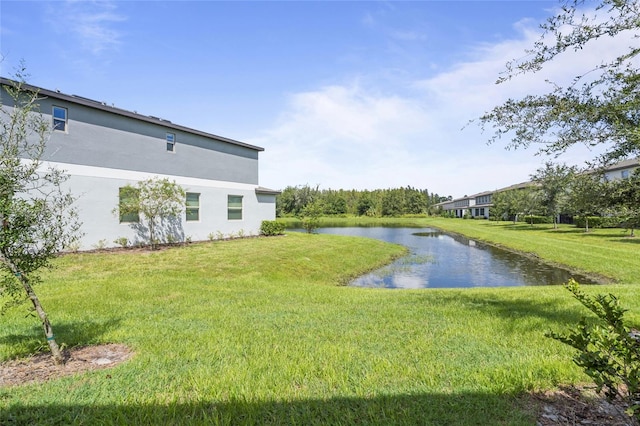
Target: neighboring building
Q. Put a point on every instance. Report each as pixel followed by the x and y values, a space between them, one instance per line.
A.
pixel 103 148
pixel 621 170
pixel 476 205
pixel 479 205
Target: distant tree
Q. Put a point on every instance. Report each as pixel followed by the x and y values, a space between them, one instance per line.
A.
pixel 294 199
pixel 554 184
pixel 416 201
pixel 366 205
pixel 586 196
pixel 334 203
pixel 532 202
pixel 507 205
pixel 392 202
pixel 623 198
pixel 599 107
pixel 285 202
pixel 37 219
pixel 155 199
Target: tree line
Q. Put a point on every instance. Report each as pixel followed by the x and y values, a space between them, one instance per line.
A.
pixel 299 200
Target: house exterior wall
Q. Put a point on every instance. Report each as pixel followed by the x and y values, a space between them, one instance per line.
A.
pixel 104 149
pixel 97 192
pixel 621 170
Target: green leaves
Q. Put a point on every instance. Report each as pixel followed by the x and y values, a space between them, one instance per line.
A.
pixel 598 107
pixel 155 199
pixel 37 218
pixel 608 350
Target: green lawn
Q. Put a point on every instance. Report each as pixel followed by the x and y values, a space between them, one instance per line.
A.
pixel 261 331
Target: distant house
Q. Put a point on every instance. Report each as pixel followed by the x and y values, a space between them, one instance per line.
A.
pixel 476 205
pixel 621 170
pixel 479 205
pixel 103 148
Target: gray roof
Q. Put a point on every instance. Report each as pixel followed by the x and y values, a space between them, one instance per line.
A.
pixel 624 164
pixel 103 106
pixel 267 191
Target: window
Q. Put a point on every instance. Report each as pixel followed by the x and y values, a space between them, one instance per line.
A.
pixel 484 199
pixel 625 174
pixel 128 205
pixel 59 119
pixel 193 206
pixel 171 142
pixel 234 207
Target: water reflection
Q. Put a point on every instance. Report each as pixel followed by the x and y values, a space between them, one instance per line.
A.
pixel 441 260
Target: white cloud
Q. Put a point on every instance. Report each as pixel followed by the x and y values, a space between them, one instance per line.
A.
pixel 360 136
pixel 90 23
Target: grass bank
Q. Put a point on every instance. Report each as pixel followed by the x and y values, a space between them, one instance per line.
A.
pixel 259 331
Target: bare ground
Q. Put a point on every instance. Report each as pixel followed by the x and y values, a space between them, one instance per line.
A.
pixel 573 405
pixel 41 367
pixel 568 405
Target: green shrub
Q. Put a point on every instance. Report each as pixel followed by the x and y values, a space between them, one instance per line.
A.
pixel 271 227
pixel 608 351
pixel 534 219
pixel 122 241
pixel 597 222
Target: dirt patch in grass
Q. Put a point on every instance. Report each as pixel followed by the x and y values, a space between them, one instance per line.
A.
pixel 577 405
pixel 41 367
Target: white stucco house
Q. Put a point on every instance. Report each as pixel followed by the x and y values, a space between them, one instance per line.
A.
pixel 103 148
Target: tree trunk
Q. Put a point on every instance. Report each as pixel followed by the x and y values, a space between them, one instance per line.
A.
pixel 56 353
pixel 152 234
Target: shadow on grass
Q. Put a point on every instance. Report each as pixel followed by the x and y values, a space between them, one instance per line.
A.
pixel 422 409
pixel 68 333
pixel 628 240
pixel 593 232
pixel 549 312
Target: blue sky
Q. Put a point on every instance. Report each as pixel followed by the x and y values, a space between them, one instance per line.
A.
pixel 352 95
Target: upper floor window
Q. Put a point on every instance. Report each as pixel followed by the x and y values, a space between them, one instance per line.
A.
pixel 193 206
pixel 484 199
pixel 234 207
pixel 171 142
pixel 59 118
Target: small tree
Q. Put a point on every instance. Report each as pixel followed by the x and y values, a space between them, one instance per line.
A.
pixel 608 350
pixel 554 185
pixel 623 198
pixel 311 217
pixel 511 203
pixel 585 197
pixel 154 199
pixel 37 220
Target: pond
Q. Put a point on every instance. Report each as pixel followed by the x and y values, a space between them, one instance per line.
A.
pixel 440 260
